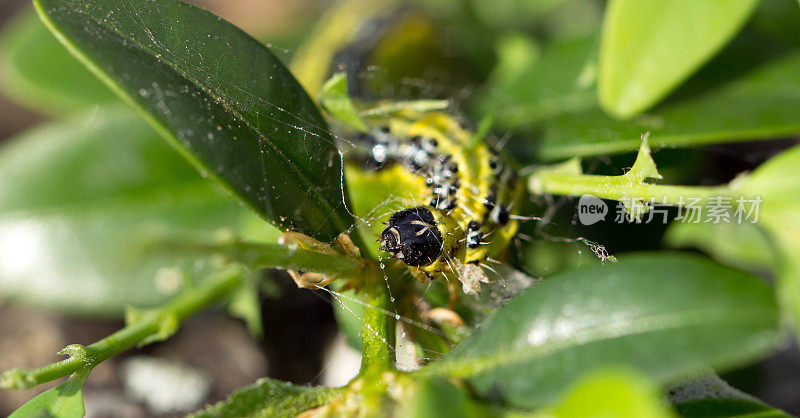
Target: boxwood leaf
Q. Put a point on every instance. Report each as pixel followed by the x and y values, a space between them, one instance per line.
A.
pixel 648 48
pixel 776 183
pixel 665 315
pixel 37 71
pixel 269 398
pixel 747 93
pixel 740 245
pixel 218 95
pixel 62 401
pixel 91 209
pixel 757 104
pixel 765 233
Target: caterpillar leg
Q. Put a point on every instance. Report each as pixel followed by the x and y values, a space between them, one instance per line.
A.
pixel 349 248
pixel 444 315
pixel 312 280
pixel 307 243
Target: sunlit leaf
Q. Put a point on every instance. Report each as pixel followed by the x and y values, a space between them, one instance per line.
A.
pixel 649 47
pixel 63 401
pixel 611 393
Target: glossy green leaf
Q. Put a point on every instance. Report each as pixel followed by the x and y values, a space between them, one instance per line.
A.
pixel 649 47
pixel 221 97
pixel 724 408
pixel 37 71
pixel 269 398
pixel 739 245
pixel 97 212
pixel 611 393
pixel 667 315
pixel 62 401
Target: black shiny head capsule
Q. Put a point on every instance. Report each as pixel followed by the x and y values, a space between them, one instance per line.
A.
pixel 411 235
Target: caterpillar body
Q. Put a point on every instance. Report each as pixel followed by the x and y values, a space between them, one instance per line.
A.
pixel 463 195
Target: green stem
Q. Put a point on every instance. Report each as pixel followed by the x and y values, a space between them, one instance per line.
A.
pixel 620 188
pixel 377 341
pixel 83 359
pixel 377 332
pixel 633 188
pixel 290 257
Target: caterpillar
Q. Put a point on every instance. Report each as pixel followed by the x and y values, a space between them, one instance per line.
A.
pixel 460 196
pixel 470 196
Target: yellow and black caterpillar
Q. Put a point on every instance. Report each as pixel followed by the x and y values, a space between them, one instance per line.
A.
pixel 461 195
pixel 458 197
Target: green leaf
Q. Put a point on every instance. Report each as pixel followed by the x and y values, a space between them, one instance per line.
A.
pixel 747 93
pixel 63 401
pixel 667 315
pixel 349 314
pixel 335 100
pixel 756 105
pixel 244 304
pixel 167 324
pixel 220 97
pixel 547 18
pixel 516 55
pixel 97 213
pixel 269 398
pixel 723 408
pixel 557 80
pixel 520 11
pixel 777 184
pixel 37 71
pixel 437 397
pixel 738 245
pixel 611 393
pixel 648 48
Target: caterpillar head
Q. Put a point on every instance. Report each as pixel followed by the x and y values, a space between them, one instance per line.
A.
pixel 411 235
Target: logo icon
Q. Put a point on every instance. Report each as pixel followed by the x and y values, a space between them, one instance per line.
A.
pixel 591 210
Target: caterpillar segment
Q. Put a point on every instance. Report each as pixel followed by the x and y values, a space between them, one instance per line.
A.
pixel 470 194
